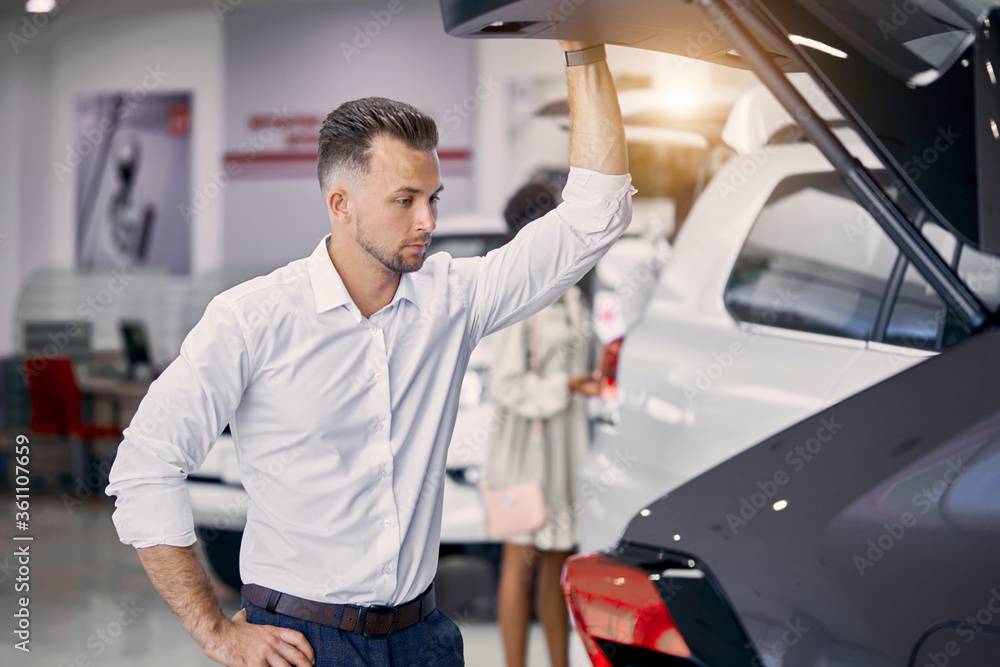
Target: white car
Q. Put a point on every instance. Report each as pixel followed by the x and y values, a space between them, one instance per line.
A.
pixel 782 296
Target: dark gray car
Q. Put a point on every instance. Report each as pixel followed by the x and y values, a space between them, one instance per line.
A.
pixel 868 534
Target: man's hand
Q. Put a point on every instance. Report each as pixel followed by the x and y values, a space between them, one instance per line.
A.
pixel 184 586
pixel 237 643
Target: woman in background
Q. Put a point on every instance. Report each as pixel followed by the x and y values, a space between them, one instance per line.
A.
pixel 541 376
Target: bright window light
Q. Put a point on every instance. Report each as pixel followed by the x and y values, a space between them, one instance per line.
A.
pixel 680 99
pixel 40 6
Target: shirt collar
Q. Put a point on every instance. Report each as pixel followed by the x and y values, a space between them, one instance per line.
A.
pixel 328 288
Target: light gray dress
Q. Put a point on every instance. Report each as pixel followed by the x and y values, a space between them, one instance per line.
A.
pixel 566 347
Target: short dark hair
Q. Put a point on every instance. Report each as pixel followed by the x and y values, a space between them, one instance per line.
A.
pixel 345 140
pixel 533 200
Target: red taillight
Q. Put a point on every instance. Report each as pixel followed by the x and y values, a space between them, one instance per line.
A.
pixel 609 368
pixel 619 603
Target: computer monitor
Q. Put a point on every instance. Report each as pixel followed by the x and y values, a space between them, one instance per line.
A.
pixel 136 344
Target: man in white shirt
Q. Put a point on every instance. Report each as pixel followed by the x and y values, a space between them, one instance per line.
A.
pixel 339 375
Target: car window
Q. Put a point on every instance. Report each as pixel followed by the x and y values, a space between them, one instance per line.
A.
pixel 920 319
pixel 918 314
pixel 814 261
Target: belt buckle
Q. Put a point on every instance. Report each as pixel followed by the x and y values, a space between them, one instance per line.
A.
pixel 375 609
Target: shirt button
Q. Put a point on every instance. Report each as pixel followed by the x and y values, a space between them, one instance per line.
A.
pixel 382 472
pixel 387 569
pixel 387 523
pixel 378 377
pixel 379 426
pixel 372 331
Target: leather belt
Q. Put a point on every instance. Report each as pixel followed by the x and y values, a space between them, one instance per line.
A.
pixel 372 621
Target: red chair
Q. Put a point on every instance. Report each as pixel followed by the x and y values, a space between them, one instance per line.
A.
pixel 57 409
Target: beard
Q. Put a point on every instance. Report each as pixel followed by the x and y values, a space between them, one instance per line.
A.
pixel 386 255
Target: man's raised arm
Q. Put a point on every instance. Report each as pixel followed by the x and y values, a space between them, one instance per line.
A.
pixel 597 133
pixel 551 254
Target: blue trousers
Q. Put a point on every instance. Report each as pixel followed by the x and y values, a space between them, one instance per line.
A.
pixel 434 642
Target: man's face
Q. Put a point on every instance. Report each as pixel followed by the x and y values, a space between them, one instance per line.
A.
pixel 397 205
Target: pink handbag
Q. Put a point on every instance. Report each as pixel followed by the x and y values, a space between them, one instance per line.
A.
pixel 516 509
pixel 519 508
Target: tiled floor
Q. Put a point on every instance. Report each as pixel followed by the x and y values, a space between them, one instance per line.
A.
pixel 93 605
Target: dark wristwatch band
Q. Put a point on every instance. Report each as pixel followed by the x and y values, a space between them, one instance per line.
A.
pixel 591 54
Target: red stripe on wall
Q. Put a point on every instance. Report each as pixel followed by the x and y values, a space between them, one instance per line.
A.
pixel 300 164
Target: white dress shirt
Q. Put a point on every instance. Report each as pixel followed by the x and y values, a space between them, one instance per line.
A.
pixel 341 422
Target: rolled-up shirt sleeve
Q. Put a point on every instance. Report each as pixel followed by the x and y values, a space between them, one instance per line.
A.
pixel 552 253
pixel 175 426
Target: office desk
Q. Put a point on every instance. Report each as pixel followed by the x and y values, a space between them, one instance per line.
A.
pixel 115 391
